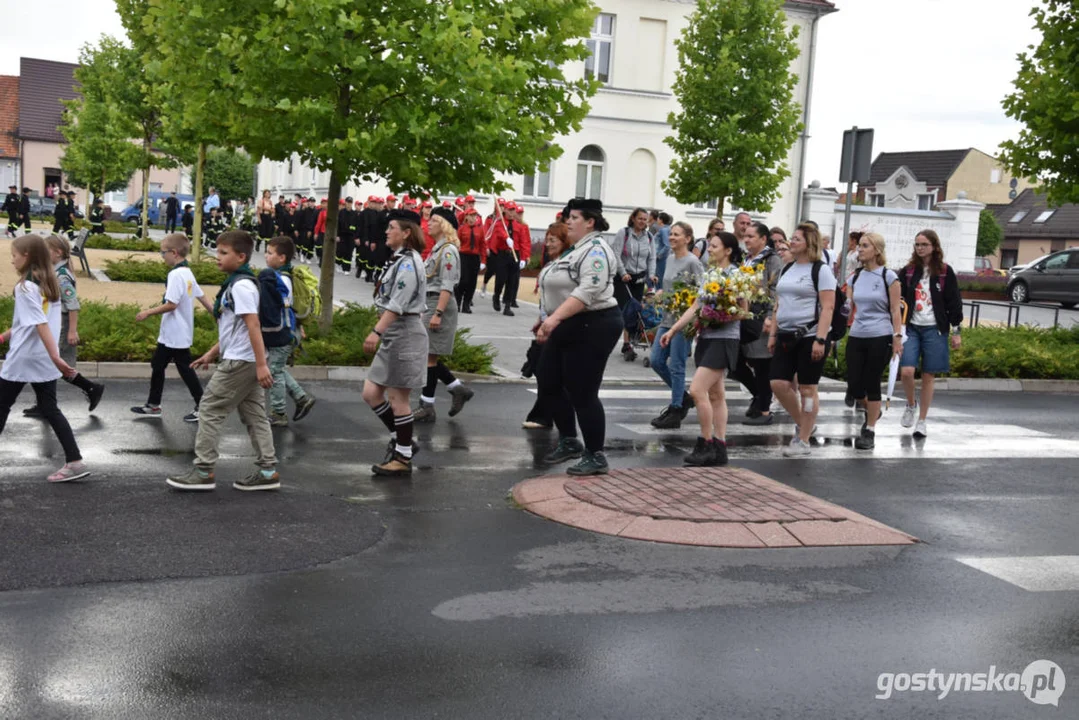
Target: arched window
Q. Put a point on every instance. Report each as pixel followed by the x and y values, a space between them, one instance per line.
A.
pixel 590 172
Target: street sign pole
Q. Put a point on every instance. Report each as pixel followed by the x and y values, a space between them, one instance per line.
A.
pixel 841 243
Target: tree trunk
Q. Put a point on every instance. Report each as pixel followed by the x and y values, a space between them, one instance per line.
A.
pixel 196 230
pixel 101 194
pixel 146 190
pixel 719 207
pixel 329 253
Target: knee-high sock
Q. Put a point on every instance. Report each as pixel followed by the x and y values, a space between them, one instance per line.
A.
pixel 442 373
pixel 385 414
pixel 81 382
pixel 431 386
pixel 404 434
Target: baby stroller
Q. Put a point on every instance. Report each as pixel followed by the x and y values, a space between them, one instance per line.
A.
pixel 641 321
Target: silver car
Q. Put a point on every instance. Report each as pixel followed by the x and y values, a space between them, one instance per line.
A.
pixel 1053 278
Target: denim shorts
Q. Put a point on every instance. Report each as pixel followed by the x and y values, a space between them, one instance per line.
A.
pixel 929 344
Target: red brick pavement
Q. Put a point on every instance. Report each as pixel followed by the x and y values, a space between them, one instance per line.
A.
pixel 721 507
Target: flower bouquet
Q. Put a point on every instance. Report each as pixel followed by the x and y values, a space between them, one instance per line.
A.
pixel 721 291
pixel 677 300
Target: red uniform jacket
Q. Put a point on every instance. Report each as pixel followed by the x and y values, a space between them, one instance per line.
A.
pixel 495 235
pixel 472 240
pixel 522 240
pixel 320 224
pixel 428 241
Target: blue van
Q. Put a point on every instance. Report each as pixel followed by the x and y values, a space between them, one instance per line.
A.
pixel 133 213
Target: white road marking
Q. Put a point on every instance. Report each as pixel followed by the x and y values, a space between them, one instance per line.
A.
pixel 883 430
pixel 1034 574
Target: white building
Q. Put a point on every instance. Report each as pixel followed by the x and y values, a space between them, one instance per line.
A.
pixel 619 155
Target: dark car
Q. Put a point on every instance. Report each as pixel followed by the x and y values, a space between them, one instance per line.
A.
pixel 41 206
pixel 1052 278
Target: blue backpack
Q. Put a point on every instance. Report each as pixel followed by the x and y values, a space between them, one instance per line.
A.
pixel 275 316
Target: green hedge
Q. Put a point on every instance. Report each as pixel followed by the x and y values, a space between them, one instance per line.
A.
pixel 1016 353
pixel 131 244
pixel 110 334
pixel 131 270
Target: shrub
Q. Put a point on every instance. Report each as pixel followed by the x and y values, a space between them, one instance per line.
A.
pixel 132 270
pixel 982 283
pixel 132 244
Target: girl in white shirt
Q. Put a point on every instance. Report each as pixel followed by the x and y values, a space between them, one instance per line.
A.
pixel 33 356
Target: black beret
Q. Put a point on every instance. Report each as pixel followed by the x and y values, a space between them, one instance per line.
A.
pixel 580 203
pixel 26 189
pixel 407 215
pixel 447 215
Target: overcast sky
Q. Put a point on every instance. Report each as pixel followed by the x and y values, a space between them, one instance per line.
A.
pixel 924 74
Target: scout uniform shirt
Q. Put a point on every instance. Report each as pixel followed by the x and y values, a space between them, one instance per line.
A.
pixel 27 359
pixel 585 272
pixel 443 267
pixel 68 297
pixel 403 287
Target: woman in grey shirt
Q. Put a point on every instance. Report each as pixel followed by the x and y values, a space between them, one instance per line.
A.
pixel 876 334
pixel 635 261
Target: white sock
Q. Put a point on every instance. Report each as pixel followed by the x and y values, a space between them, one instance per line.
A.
pixel 427 400
pixel 406 451
pixel 455 383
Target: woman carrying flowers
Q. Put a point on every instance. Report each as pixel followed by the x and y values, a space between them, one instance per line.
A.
pixel 723 300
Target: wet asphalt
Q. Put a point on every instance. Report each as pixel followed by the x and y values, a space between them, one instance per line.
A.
pixel 345 597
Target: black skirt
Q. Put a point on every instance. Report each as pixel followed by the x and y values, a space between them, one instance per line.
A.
pixel 716 354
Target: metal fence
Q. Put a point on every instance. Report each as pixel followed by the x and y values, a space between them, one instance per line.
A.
pixel 1014 309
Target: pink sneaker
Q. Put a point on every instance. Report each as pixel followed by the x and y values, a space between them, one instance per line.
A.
pixel 71 471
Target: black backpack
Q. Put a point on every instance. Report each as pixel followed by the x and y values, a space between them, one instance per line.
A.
pixel 841 313
pixel 274 316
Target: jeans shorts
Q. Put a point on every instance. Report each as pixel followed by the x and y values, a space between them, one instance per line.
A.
pixel 929 344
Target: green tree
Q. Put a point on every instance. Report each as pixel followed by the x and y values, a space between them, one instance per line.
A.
pixel 990 233
pixel 438 96
pixel 1046 101
pixel 231 172
pixel 738 119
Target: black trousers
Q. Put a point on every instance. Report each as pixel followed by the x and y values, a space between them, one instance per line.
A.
pixel 507 276
pixel 343 253
pixel 170 224
pixel 866 360
pixel 13 223
pixel 163 355
pixel 470 272
pixel 571 370
pixel 753 373
pixel 45 392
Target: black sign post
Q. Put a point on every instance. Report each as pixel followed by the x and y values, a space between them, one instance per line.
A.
pixel 854 168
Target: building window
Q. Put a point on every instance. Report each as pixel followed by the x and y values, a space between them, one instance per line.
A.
pixel 876 200
pixel 994 176
pixel 1044 216
pixel 590 172
pixel 1018 216
pixel 600 49
pixel 538 184
pixel 926 201
pixel 1008 259
pixel 710 205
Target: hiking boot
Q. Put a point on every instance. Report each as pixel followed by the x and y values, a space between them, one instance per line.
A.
pixel 70 471
pixel 397 466
pixel 720 449
pixel 507 312
pixel 908 416
pixel 391 448
pixel 591 463
pixel 303 407
pixel 569 448
pixel 425 413
pixel 704 454
pixel 278 419
pixel 193 479
pixel 32 412
pixel 669 419
pixel 193 416
pixel 147 410
pixel 759 419
pixel 258 480
pixel 866 440
pixel 93 395
pixel 461 395
pixel 498 305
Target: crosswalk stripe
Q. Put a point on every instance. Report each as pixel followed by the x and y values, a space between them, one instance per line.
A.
pixel 883 430
pixel 1034 574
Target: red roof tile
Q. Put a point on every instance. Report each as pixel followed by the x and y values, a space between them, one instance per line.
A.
pixel 9 115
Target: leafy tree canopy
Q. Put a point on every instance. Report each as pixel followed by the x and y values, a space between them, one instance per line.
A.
pixel 231 172
pixel 990 234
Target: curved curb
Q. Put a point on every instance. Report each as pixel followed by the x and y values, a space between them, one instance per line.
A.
pixel 548 498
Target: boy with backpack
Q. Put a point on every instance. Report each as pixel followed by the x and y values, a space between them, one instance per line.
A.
pixel 240 377
pixel 279 330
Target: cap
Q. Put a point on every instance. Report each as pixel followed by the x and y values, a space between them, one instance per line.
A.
pixel 391 198
pixel 459 201
pixel 472 211
pixel 447 215
pixel 379 200
pixel 469 198
pixel 26 189
pixel 501 202
pixel 517 208
pixel 427 204
pixel 323 200
pixel 12 187
pixel 292 205
pixel 372 198
pixel 401 214
pixel 447 204
pixel 342 202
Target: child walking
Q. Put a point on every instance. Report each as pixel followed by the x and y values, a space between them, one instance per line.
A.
pixel 33 355
pixel 60 252
pixel 279 253
pixel 177 311
pixel 240 376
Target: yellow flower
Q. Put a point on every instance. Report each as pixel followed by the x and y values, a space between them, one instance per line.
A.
pixel 712 287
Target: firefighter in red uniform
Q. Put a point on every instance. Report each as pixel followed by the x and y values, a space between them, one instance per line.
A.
pixel 473 257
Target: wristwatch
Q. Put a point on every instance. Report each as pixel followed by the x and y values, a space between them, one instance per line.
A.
pixel 820 340
pixel 898 335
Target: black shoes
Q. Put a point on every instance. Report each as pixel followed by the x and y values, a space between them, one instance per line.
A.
pixel 670 419
pixel 498 305
pixel 865 441
pixel 507 312
pixel 703 455
pixel 628 354
pixel 688 403
pixel 93 395
pixel 758 419
pixel 466 309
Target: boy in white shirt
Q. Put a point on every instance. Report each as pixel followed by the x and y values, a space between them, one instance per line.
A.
pixel 177 333
pixel 279 254
pixel 239 380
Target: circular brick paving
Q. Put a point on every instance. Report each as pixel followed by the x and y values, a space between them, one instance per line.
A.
pixel 699 494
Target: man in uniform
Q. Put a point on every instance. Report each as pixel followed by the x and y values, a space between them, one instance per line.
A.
pixel 391 203
pixel 345 235
pixel 172 212
pixel 97 218
pixel 60 213
pixel 280 210
pixel 24 210
pixel 11 207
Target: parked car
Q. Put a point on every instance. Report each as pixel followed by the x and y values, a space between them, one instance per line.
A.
pixel 156 215
pixel 1054 277
pixel 984 266
pixel 41 207
pixel 1019 268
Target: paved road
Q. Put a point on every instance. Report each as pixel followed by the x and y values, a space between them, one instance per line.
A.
pixel 126 601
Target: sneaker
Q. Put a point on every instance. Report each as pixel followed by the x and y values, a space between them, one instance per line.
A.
pixel 919 429
pixel 147 410
pixel 797 448
pixel 461 394
pixel 760 419
pixel 193 479
pixel 720 449
pixel 33 412
pixel 908 416
pixel 703 455
pixel 425 413
pixel 93 395
pixel 70 471
pixel 865 421
pixel 483 292
pixel 257 480
pixel 303 407
pixel 567 449
pixel 278 419
pixel 498 305
pixel 192 417
pixel 866 440
pixel 591 463
pixel 533 425
pixel 669 419
pixel 397 466
pixel 507 312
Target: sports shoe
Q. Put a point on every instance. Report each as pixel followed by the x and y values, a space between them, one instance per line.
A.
pixel 93 395
pixel 257 480
pixel 397 466
pixel 669 419
pixel 533 425
pixel 908 416
pixel 33 412
pixel 797 448
pixel 278 419
pixel 759 419
pixel 866 440
pixel 591 463
pixel 483 292
pixel 425 413
pixel 569 448
pixel 303 407
pixel 461 394
pixel 147 410
pixel 193 479
pixel 720 449
pixel 919 429
pixel 70 471
pixel 193 416
pixel 703 455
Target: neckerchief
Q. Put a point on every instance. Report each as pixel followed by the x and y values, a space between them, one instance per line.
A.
pixel 244 271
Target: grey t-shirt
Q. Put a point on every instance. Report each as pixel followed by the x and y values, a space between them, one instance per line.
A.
pixel 797 299
pixel 688 269
pixel 872 317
